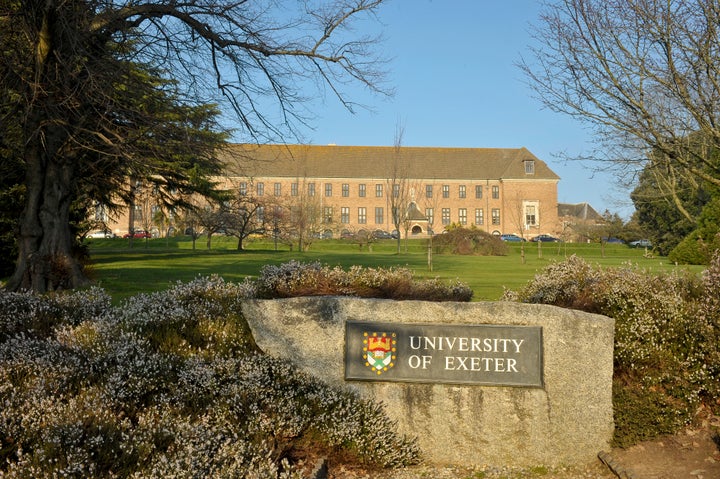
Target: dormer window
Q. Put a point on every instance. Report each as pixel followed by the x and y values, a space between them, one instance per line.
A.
pixel 529 167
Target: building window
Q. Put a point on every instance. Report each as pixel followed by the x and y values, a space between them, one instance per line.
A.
pixel 278 189
pixel 379 215
pixel 243 188
pixel 479 216
pixel 496 192
pixel 446 191
pixel 260 212
pixel 496 216
pixel 362 215
pixel 328 189
pixel 345 215
pixel 101 213
pixel 327 214
pixel 478 192
pixel 361 190
pixel 430 215
pixel 378 190
pixel 428 191
pixel 346 190
pixel 311 189
pixel 461 191
pixel 293 189
pixel 446 216
pixel 462 216
pixel 529 167
pixel 531 215
pixel 260 188
pixel 396 191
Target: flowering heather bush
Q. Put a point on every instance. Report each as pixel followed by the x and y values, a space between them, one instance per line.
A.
pixel 667 353
pixel 166 385
pixel 313 279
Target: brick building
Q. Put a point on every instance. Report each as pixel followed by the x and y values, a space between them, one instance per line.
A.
pixel 499 190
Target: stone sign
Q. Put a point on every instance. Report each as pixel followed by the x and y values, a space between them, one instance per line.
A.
pixel 499 355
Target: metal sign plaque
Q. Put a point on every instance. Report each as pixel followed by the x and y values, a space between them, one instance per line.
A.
pixel 495 355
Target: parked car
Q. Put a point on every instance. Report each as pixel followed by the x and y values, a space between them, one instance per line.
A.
pixel 380 234
pixel 101 234
pixel 642 243
pixel 138 234
pixel 545 239
pixel 613 240
pixel 511 237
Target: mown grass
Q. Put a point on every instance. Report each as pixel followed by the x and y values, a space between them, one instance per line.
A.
pixel 124 270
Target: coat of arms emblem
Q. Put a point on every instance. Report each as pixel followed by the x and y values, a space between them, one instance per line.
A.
pixel 379 351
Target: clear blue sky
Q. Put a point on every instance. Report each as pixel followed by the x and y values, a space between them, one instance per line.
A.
pixel 453 70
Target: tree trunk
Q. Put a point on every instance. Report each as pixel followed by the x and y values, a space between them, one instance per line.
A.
pixel 45 260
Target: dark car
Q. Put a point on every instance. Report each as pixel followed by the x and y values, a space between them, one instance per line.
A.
pixel 613 240
pixel 545 239
pixel 138 234
pixel 511 237
pixel 380 234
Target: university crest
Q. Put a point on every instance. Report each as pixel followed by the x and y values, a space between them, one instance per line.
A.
pixel 379 351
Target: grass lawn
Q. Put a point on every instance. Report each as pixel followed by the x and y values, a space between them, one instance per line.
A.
pixel 150 265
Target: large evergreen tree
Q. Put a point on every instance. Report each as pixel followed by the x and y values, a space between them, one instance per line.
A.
pixel 68 76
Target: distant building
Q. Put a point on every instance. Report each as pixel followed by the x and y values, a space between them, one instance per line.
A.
pixel 576 220
pixel 498 190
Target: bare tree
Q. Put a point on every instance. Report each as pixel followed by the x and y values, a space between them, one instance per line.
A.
pixel 642 74
pixel 66 66
pixel 399 186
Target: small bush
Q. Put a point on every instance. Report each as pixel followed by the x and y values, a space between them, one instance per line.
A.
pixel 667 353
pixel 469 241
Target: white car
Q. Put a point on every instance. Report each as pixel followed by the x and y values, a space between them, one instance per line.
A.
pixel 101 234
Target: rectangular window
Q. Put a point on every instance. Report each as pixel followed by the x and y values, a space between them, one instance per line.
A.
pixel 294 189
pixel 496 192
pixel 479 216
pixel 446 191
pixel 379 215
pixel 461 191
pixel 361 190
pixel 496 216
pixel 478 192
pixel 396 191
pixel 530 215
pixel 378 191
pixel 278 189
pixel 430 215
pixel 529 167
pixel 346 190
pixel 311 189
pixel 345 215
pixel 101 213
pixel 328 189
pixel 446 216
pixel 428 191
pixel 243 188
pixel 362 215
pixel 260 188
pixel 260 212
pixel 462 216
pixel 327 214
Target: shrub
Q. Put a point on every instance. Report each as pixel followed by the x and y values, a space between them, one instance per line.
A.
pixel 313 279
pixel 168 384
pixel 459 240
pixel 667 354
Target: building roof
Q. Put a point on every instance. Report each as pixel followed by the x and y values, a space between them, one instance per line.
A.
pixel 582 211
pixel 331 161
